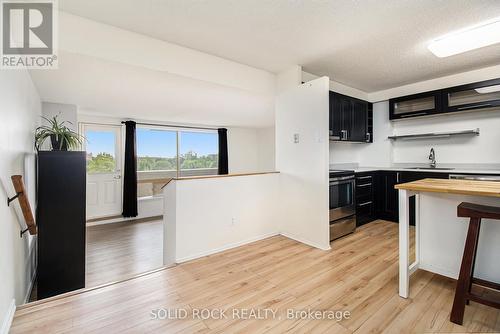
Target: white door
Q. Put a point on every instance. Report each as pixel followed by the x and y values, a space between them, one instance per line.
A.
pixel 104 184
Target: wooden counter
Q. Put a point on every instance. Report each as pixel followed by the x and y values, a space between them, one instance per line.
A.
pixel 214 176
pixel 461 187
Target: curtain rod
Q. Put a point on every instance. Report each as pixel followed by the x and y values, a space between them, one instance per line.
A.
pixel 175 126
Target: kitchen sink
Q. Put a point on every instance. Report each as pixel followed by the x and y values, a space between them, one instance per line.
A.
pixel 431 168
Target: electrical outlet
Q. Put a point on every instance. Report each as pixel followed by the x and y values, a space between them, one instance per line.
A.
pixel 233 221
pixel 296 138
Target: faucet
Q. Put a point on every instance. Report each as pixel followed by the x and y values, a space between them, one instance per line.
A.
pixel 432 158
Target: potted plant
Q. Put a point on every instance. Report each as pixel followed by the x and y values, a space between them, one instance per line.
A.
pixel 61 137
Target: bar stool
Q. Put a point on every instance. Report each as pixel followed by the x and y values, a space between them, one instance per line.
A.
pixel 463 293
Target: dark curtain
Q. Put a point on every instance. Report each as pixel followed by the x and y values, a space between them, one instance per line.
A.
pixel 130 172
pixel 223 163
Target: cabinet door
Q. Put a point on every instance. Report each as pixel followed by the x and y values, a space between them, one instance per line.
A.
pixel 415 105
pixel 346 117
pixel 359 119
pixel 387 196
pixel 480 95
pixel 335 117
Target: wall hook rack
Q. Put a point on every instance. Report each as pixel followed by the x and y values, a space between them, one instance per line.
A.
pixel 17 181
pixel 12 198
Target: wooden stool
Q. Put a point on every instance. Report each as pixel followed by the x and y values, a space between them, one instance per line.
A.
pixel 466 277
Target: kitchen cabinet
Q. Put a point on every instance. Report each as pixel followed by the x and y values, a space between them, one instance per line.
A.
pixel 423 104
pixel 480 95
pixel 475 96
pixel 365 198
pixel 351 119
pixel 387 203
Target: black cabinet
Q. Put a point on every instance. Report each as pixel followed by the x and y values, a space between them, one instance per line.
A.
pixel 475 96
pixel 423 104
pixel 365 198
pixel 351 119
pixel 61 222
pixel 386 197
pixel 480 95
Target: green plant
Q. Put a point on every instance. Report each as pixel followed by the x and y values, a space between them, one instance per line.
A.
pixel 60 135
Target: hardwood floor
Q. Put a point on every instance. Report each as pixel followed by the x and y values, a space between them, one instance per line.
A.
pixel 119 250
pixel 358 275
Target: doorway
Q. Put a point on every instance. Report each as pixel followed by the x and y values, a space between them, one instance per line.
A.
pixel 104 170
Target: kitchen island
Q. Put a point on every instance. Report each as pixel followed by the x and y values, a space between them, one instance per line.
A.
pixel 440 234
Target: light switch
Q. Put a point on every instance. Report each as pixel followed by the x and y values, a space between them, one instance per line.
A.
pixel 296 138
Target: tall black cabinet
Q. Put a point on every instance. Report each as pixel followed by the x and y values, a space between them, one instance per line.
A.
pixel 61 222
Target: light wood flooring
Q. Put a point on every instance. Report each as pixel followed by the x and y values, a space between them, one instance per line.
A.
pixel 119 250
pixel 359 275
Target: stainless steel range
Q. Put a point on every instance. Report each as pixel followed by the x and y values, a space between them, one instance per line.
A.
pixel 342 203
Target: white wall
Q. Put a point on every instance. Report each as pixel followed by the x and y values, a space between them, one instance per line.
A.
pixel 303 110
pixel 482 149
pixel 64 112
pixel 267 149
pixel 230 211
pixel 20 109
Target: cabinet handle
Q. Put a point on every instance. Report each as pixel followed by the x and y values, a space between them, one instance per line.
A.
pixel 363 185
pixel 397 177
pixel 364 177
pixel 474 107
pixel 364 204
pixel 414 115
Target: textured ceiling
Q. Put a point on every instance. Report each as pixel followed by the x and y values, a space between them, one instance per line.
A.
pixel 370 45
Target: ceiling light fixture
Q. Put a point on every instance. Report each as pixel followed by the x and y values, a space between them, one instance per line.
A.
pixel 489 89
pixel 466 40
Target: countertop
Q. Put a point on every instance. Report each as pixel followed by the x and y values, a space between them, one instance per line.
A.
pixel 462 187
pixel 215 176
pixel 458 170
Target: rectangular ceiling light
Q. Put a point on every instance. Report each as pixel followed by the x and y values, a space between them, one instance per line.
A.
pixel 466 40
pixel 489 89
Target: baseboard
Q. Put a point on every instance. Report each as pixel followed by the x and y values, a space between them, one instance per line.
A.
pixel 305 241
pixel 7 319
pixel 227 247
pixel 31 259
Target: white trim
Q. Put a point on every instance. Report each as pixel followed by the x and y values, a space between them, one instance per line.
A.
pixel 305 241
pixel 438 270
pixel 227 247
pixel 7 320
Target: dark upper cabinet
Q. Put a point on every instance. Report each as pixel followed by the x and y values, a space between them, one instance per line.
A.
pixel 476 96
pixel 351 119
pixel 423 104
pixel 480 95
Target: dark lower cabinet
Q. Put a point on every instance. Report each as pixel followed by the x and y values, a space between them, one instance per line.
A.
pixel 61 222
pixel 386 196
pixel 365 198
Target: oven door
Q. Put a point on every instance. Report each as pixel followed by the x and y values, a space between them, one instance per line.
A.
pixel 342 198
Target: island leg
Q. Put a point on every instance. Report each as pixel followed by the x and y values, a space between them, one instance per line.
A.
pixel 404 243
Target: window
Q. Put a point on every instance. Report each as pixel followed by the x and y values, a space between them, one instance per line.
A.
pixel 156 150
pixel 163 153
pixel 198 153
pixel 101 150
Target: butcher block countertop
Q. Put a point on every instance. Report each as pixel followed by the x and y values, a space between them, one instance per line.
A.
pixel 462 187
